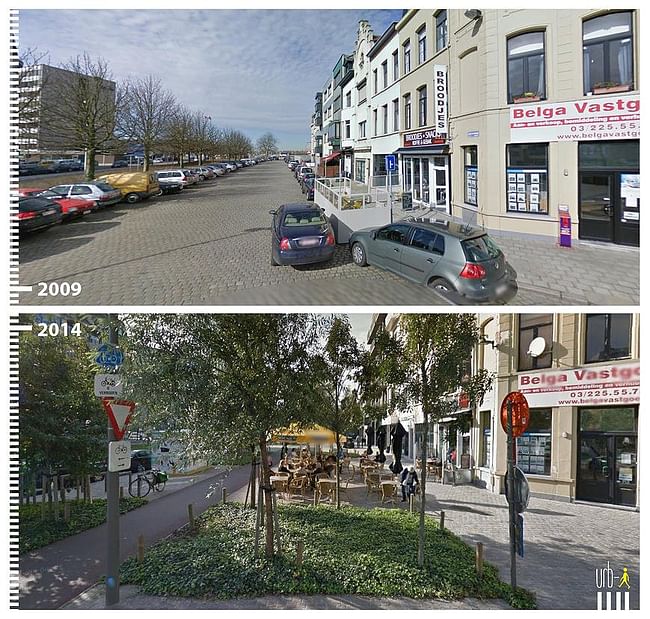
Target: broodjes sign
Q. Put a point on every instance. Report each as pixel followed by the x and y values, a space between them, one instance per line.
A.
pixel 588 386
pixel 597 118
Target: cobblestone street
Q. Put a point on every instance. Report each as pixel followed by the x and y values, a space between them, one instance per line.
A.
pixel 210 245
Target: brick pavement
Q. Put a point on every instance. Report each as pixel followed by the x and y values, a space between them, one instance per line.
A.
pixel 210 245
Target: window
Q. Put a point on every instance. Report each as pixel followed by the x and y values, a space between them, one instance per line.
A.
pixel 374 121
pixel 348 99
pixel 395 233
pixel 407 56
pixel 422 44
pixel 384 114
pixel 360 168
pixel 422 106
pixel 534 445
pixel 530 327
pixel 337 131
pixel 486 438
pixel 347 129
pixel 384 73
pixel 610 419
pixel 395 66
pixel 607 53
pixel 362 129
pixel 527 178
pixel 526 67
pixel 407 111
pixel 82 190
pixel 395 114
pixel 471 175
pixel 441 30
pixel 607 336
pixel 428 241
pixel 375 81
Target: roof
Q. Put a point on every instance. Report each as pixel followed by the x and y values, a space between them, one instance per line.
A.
pixel 459 230
pixel 382 40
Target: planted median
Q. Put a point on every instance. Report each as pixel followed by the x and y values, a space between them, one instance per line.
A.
pixel 371 552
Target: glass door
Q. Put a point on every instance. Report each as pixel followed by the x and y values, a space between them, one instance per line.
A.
pixel 626 472
pixel 595 461
pixel 441 184
pixel 597 209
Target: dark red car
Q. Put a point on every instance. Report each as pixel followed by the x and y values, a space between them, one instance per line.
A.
pixel 70 207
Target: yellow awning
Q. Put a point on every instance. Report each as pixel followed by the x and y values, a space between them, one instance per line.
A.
pixel 295 435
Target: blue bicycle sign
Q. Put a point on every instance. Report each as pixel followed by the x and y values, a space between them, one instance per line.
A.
pixel 109 356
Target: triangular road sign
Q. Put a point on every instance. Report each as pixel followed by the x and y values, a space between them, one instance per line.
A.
pixel 119 414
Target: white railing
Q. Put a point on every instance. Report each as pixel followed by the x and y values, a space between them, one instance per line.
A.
pixel 344 193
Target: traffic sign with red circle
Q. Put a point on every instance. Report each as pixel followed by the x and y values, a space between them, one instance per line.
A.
pixel 520 413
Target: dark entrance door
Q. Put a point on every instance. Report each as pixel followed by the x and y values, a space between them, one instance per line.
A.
pixel 596 206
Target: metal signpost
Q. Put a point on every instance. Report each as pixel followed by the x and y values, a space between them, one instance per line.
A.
pixel 515 414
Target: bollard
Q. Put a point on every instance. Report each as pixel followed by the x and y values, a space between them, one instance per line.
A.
pixel 190 513
pixel 411 503
pixel 66 511
pixel 55 493
pixel 140 548
pixel 224 493
pixel 479 559
pixel 442 520
pixel 300 549
pixel 121 492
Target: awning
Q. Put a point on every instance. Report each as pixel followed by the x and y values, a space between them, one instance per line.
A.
pixel 331 157
pixel 295 435
pixel 436 149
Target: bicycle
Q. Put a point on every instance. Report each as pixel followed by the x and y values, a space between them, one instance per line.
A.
pixel 145 482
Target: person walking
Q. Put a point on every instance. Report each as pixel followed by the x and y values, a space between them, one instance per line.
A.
pixel 409 480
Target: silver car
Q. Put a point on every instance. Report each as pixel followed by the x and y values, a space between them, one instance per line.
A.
pixel 101 193
pixel 452 258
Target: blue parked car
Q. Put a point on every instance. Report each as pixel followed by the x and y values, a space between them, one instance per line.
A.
pixel 301 234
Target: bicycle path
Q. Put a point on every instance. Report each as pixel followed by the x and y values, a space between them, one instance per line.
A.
pixel 55 574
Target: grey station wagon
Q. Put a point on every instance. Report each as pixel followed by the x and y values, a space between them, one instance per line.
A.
pixel 447 256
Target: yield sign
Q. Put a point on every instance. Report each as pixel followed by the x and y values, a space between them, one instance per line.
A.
pixel 119 414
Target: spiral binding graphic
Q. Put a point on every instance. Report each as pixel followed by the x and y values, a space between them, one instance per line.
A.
pixel 14 463
pixel 14 143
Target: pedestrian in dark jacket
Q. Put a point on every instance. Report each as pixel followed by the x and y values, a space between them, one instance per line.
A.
pixel 408 479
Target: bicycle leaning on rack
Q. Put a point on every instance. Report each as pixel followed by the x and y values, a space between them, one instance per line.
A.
pixel 147 481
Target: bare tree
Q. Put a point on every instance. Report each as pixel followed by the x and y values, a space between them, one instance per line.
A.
pixel 180 133
pixel 267 144
pixel 235 144
pixel 147 114
pixel 201 124
pixel 79 109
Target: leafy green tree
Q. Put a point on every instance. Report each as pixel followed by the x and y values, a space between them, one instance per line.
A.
pixel 425 365
pixel 338 366
pixel 62 422
pixel 224 382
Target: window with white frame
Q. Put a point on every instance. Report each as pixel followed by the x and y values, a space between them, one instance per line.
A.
pixel 384 73
pixel 407 111
pixel 407 56
pixel 395 114
pixel 422 106
pixel 422 44
pixel 384 116
pixel 395 66
pixel 441 30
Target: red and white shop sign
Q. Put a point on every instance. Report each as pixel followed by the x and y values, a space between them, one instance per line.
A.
pixel 593 118
pixel 603 385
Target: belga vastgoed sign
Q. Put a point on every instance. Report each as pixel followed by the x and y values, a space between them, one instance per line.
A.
pixel 596 118
pixel 588 386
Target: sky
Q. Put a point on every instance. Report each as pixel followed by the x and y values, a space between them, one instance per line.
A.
pixel 251 70
pixel 360 324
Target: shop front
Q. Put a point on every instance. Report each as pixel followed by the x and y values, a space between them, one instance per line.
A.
pixel 425 175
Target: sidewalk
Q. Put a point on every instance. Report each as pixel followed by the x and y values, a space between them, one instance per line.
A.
pixel 588 273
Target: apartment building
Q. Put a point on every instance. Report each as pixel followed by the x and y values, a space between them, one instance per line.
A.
pixel 316 129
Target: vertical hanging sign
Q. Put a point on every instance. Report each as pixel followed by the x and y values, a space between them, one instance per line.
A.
pixel 440 99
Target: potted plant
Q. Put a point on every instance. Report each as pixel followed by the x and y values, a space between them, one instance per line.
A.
pixel 526 97
pixel 601 88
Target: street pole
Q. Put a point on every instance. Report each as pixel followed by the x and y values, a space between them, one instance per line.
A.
pixel 390 193
pixel 511 503
pixel 112 510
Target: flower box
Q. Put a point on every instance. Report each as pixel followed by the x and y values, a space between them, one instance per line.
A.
pixel 602 90
pixel 525 99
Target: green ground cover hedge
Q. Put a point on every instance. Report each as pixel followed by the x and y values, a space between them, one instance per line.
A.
pixel 348 551
pixel 35 533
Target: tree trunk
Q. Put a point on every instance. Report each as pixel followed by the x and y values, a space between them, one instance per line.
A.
pixel 145 162
pixel 338 474
pixel 268 501
pixel 423 490
pixel 89 170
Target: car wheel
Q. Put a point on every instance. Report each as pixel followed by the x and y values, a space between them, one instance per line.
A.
pixel 441 285
pixel 359 255
pixel 132 198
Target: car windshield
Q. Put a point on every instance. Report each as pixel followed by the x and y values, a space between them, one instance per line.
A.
pixel 104 186
pixel 45 194
pixel 481 248
pixel 304 218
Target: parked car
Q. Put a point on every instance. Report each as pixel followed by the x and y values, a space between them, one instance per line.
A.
pixel 300 234
pixel 70 207
pixel 134 186
pixel 141 460
pixel 308 187
pixel 304 176
pixel 218 170
pixel 192 178
pixel 446 256
pixel 99 192
pixel 169 184
pixel 67 165
pixel 204 173
pixel 300 170
pixel 169 177
pixel 120 163
pixel 37 214
pixel 29 169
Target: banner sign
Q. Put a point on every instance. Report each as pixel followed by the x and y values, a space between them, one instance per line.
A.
pixel 614 117
pixel 589 386
pixel 422 138
pixel 440 100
